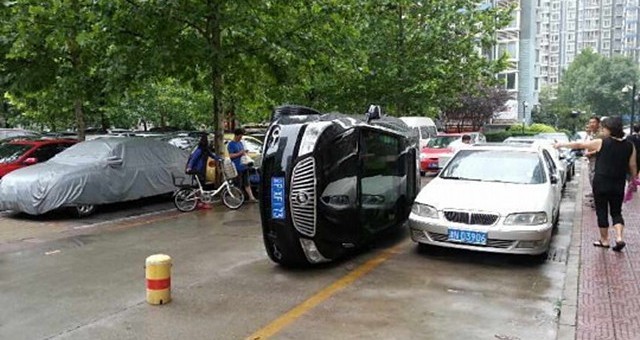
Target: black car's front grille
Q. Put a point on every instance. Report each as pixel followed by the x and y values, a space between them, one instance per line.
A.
pixel 470 218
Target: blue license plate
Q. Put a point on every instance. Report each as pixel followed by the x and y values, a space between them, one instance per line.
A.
pixel 278 211
pixel 433 165
pixel 466 236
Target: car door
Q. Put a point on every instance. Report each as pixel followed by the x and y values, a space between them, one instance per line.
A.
pixel 553 170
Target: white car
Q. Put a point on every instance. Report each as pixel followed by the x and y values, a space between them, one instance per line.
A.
pixel 493 198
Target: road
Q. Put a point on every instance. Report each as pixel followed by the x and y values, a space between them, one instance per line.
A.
pixel 85 280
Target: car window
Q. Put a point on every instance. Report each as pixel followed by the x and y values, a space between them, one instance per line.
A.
pixel 11 152
pixel 46 152
pixel 496 166
pixel 252 146
pixel 441 142
pixel 551 165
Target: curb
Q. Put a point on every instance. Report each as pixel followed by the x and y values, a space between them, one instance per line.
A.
pixel 569 310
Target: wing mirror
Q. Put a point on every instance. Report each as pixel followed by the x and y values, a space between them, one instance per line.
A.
pixel 554 179
pixel 30 161
pixel 114 161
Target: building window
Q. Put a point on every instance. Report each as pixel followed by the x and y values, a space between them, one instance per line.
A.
pixel 510 48
pixel 606 23
pixel 509 80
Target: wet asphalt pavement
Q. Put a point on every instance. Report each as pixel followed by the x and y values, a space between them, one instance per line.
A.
pixel 70 279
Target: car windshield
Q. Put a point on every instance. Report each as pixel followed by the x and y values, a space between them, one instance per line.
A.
pixel 11 152
pixel 86 152
pixel 503 166
pixel 559 137
pixel 441 142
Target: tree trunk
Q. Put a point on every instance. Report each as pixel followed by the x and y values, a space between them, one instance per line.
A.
pixel 215 44
pixel 77 106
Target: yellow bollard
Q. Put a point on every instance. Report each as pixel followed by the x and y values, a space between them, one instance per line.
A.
pixel 158 274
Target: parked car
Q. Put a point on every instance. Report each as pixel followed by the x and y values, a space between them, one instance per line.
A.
pixel 424 128
pixel 563 159
pixel 454 209
pixel 476 138
pixel 11 133
pixel 331 183
pixel 19 153
pixel 92 173
pixel 443 145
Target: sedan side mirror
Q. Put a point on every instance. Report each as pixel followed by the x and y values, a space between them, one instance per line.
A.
pixel 30 161
pixel 554 179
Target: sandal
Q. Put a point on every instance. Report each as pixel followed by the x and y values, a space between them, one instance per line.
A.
pixel 600 244
pixel 619 246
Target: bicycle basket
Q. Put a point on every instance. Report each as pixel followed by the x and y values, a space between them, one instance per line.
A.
pixel 229 169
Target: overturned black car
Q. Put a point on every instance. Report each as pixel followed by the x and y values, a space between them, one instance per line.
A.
pixel 331 182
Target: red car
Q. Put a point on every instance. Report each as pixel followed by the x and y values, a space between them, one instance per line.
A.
pixel 435 147
pixel 19 153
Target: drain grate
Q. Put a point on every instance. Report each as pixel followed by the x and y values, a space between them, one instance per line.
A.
pixel 558 255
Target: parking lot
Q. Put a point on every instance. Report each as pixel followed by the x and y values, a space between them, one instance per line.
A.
pixel 80 279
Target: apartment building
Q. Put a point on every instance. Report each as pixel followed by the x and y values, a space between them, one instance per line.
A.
pixel 567 27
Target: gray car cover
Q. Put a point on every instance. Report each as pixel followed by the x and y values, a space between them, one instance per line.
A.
pixel 95 172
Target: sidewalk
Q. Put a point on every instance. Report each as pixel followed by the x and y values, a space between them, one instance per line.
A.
pixel 608 299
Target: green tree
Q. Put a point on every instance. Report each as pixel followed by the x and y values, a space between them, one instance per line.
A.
pixel 593 84
pixel 53 56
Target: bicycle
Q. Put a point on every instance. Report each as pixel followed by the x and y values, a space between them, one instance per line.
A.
pixel 189 195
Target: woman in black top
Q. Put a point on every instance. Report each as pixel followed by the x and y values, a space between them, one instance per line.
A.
pixel 616 158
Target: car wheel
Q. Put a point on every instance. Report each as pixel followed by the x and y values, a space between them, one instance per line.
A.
pixel 422 173
pixel 84 210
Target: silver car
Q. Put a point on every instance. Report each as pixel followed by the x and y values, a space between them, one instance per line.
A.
pixel 491 198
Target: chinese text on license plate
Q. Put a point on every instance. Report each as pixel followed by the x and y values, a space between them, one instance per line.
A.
pixel 277 198
pixel 466 236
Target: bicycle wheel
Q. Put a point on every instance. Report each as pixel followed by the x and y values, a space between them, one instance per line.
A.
pixel 232 197
pixel 185 200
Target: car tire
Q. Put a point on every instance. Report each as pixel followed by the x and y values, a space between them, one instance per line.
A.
pixel 422 173
pixel 84 210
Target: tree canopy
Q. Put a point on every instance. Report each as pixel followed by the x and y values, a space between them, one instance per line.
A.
pixel 189 63
pixel 592 85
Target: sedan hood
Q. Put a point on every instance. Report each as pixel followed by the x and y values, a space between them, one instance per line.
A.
pixel 42 187
pixel 502 198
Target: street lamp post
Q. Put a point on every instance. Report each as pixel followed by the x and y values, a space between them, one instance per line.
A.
pixel 633 102
pixel 524 114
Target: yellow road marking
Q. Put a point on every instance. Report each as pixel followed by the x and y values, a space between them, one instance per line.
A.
pixel 292 315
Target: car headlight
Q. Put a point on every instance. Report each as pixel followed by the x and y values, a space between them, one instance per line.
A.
pixel 423 157
pixel 526 219
pixel 424 210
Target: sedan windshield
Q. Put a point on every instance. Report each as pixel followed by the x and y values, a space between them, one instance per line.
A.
pixel 10 153
pixel 86 152
pixel 441 142
pixel 496 166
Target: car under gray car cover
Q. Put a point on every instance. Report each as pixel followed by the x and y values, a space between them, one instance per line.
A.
pixel 94 172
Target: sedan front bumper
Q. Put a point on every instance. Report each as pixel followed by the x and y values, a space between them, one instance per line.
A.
pixel 527 240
